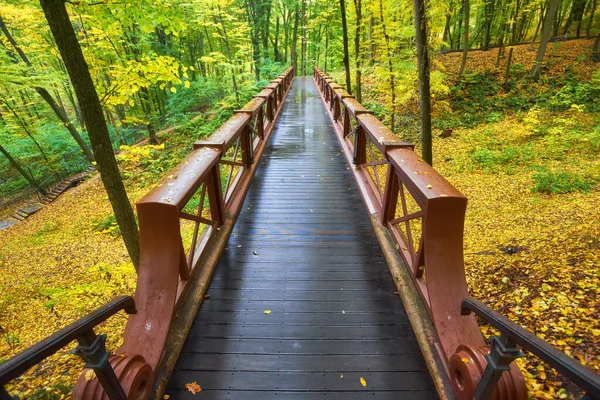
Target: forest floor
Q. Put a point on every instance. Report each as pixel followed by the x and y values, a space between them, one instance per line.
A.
pixel 532 248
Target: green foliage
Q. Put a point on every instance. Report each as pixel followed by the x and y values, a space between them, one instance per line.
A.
pixel 199 97
pixel 107 225
pixel 560 182
pixel 492 160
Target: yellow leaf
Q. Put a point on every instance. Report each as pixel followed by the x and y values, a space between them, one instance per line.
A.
pixel 187 84
pixel 429 186
pixel 596 332
pixel 131 103
pixel 173 90
pixel 465 360
pixel 193 387
pixel 90 375
pixel 363 381
pixel 166 397
pixel 342 376
pixel 267 312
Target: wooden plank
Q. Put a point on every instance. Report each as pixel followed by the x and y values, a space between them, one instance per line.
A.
pixel 297 381
pixel 393 346
pixel 232 394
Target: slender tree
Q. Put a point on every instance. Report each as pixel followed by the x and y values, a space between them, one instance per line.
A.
pixel 357 55
pixel 62 31
pixel 345 40
pixel 424 86
pixel 467 12
pixel 304 38
pixel 294 50
pixel 29 178
pixel 546 30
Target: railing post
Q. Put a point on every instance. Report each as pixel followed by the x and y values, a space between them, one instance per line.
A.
pixel 270 108
pixel 503 352
pixel 92 349
pixel 247 153
pixel 346 126
pixel 260 125
pixel 390 196
pixel 215 197
pixel 360 146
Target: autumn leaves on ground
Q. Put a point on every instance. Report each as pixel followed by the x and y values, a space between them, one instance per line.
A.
pixel 532 250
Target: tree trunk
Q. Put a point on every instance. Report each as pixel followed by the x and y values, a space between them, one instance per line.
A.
pixel 424 88
pixel 357 56
pixel 463 63
pixel 326 46
pixel 539 24
pixel 266 21
pixel 254 22
pixel 91 110
pixel 303 37
pixel 15 164
pixel 276 52
pixel 346 52
pixel 507 74
pixel 25 128
pixel 294 50
pixel 591 21
pixel 390 65
pixel 596 49
pixel 225 37
pixel 488 25
pixel 59 111
pixel 546 30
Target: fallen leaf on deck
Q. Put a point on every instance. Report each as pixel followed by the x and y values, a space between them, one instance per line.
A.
pixel 267 312
pixel 363 381
pixel 193 387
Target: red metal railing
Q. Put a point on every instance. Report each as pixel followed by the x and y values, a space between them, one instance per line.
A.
pixel 178 219
pixel 424 215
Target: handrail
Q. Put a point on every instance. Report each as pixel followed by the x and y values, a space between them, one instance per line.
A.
pixel 424 215
pixel 81 330
pixel 181 223
pixel 582 376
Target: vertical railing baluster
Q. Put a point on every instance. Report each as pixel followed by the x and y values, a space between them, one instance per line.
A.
pixel 92 348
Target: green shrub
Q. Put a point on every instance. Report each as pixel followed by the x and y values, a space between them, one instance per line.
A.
pixel 561 182
pixel 107 225
pixel 491 160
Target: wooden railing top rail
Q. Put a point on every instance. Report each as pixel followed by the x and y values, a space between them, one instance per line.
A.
pixel 226 134
pixel 422 181
pixel 252 107
pixel 381 136
pixel 354 107
pixel 183 181
pixel 265 93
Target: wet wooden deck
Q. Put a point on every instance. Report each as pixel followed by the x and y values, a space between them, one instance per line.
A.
pixel 303 248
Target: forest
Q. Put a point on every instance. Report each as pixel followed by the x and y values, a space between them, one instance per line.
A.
pixel 514 123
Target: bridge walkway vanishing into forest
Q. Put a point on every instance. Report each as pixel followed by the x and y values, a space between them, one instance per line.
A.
pixel 262 277
pixel 303 247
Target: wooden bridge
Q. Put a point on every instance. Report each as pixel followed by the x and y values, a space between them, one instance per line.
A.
pixel 302 251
